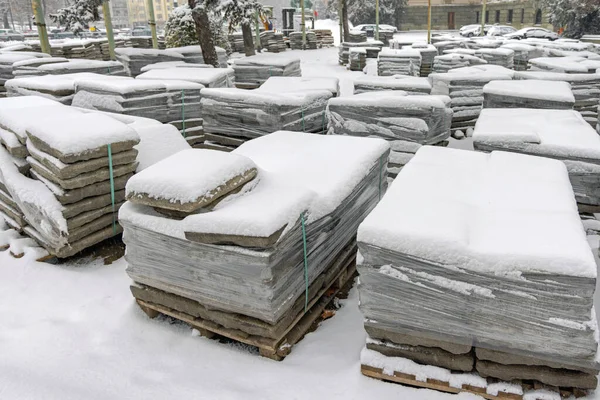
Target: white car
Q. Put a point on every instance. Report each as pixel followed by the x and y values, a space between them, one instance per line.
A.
pixel 372 27
pixel 500 30
pixel 473 30
pixel 529 33
pixel 9 34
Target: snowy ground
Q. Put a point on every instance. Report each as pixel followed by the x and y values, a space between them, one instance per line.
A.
pixel 74 332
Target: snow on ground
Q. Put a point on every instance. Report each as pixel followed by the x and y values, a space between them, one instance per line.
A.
pixel 75 332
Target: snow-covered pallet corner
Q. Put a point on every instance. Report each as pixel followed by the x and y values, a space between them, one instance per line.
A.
pixel 407 372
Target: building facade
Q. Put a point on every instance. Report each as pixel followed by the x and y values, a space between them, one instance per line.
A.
pixel 119 11
pixel 452 14
pixel 139 17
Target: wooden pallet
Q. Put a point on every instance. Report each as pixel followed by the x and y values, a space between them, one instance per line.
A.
pixel 434 384
pixel 274 348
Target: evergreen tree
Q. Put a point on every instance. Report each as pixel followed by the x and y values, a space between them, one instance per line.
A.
pixel 78 16
pixel 243 13
pixel 578 17
pixel 180 29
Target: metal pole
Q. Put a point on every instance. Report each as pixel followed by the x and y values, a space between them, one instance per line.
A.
pixel 257 46
pixel 303 24
pixel 429 21
pixel 341 23
pixel 152 22
pixel 41 25
pixel 483 18
pixel 109 29
pixel 376 19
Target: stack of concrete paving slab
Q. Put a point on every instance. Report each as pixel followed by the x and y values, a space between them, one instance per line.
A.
pixel 283 84
pixel 248 270
pixel 405 121
pixel 357 36
pixel 193 54
pixel 296 40
pixel 30 67
pixel 207 77
pixel 428 54
pixel 585 88
pixel 408 84
pixel 446 62
pixel 272 41
pixel 324 37
pixel 7 61
pixel 523 53
pixel 80 163
pixel 444 45
pixel 344 49
pixel 437 289
pixel 236 41
pixel 399 62
pixel 570 65
pixel 503 56
pixel 528 94
pixel 558 134
pixel 233 116
pixel 251 72
pixel 134 59
pixel 465 89
pixel 357 59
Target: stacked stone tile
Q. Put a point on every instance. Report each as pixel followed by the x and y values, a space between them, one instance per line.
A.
pixel 236 41
pixel 324 37
pixel 465 89
pixel 538 94
pixel 272 41
pixel 558 134
pixel 7 60
pixel 135 58
pixel 296 40
pixel 357 59
pixel 251 72
pixel 446 62
pixel 344 49
pixel 436 288
pixel 523 53
pixel 79 163
pixel 408 84
pixel 193 54
pixel 233 116
pixel 399 62
pixel 357 36
pixel 503 56
pixel 232 252
pixel 407 122
pixel 207 77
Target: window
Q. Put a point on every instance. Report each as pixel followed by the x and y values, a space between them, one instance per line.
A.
pixel 487 17
pixel 538 17
pixel 477 19
pixel 509 17
pixel 522 15
pixel 497 19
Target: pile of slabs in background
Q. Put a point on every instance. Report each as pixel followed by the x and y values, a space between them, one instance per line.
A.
pixel 523 53
pixel 446 62
pixel 407 122
pixel 296 41
pixel 233 116
pixel 344 49
pixel 438 293
pixel 7 60
pixel 357 36
pixel 207 77
pixel 233 252
pixel 251 72
pixel 134 59
pixel 399 62
pixel 528 94
pixel 324 37
pixel 465 89
pixel 408 84
pixel 279 84
pixel 428 54
pixel 503 57
pixel 357 60
pixel 558 134
pixel 193 54
pixel 271 41
pixel 585 88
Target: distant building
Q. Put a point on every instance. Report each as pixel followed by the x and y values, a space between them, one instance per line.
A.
pixel 162 8
pixel 452 14
pixel 120 13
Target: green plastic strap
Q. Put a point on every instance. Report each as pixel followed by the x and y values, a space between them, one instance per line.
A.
pixel 303 120
pixel 305 263
pixel 183 111
pixel 112 188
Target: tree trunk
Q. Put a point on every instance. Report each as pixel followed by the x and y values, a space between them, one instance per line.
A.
pixel 345 20
pixel 248 42
pixel 5 20
pixel 204 35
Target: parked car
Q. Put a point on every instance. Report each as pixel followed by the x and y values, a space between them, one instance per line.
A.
pixel 370 28
pixel 536 33
pixel 500 30
pixel 9 34
pixel 473 30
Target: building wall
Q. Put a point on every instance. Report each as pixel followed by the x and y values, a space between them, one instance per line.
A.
pixel 120 13
pixel 415 16
pixel 162 8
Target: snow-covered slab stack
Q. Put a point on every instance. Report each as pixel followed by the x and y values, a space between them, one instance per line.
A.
pixel 232 116
pixel 344 49
pixel 503 56
pixel 134 59
pixel 357 36
pixel 296 40
pixel 30 67
pixel 236 41
pixel 405 121
pixel 7 60
pixel 523 53
pixel 528 94
pixel 324 37
pixel 585 88
pixel 193 54
pixel 444 45
pixel 207 77
pixel 79 163
pixel 558 134
pixel 399 62
pixel 251 72
pixel 465 89
pixel 409 84
pixel 446 62
pixel 428 54
pixel 272 41
pixel 279 84
pixel 357 59
pixel 386 36
pixel 570 65
pixel 55 87
pixel 245 257
pixel 143 42
pixel 167 101
pixel 437 287
pixel 483 42
pixel 74 66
